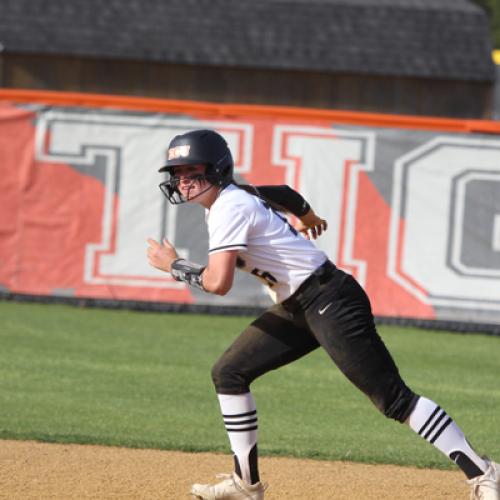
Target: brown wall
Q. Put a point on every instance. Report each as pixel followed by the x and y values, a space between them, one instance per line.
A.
pixel 217 84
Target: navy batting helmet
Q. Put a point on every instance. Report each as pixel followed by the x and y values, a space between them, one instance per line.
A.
pixel 198 147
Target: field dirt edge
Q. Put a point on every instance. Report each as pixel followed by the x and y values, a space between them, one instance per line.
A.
pixel 30 470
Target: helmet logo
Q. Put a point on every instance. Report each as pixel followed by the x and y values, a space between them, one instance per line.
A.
pixel 179 152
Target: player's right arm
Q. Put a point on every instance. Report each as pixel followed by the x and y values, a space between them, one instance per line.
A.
pixel 218 276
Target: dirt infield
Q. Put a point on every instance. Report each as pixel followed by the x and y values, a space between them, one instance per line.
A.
pixel 30 470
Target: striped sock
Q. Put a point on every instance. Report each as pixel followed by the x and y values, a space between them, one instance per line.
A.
pixel 240 418
pixel 432 423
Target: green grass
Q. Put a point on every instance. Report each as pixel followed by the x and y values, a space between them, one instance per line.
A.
pixel 143 380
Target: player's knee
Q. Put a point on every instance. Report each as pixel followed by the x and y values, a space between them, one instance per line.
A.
pixel 228 379
pixel 396 401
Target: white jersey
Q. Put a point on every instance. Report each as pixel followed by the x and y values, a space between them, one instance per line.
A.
pixel 269 247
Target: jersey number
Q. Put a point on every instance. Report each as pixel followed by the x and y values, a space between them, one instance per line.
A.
pixel 266 277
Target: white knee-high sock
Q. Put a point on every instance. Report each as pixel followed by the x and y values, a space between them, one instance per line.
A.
pixel 432 423
pixel 240 418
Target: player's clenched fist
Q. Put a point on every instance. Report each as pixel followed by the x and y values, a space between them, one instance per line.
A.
pixel 161 255
pixel 311 226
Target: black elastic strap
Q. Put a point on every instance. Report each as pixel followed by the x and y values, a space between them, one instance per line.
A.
pixel 190 273
pixel 470 469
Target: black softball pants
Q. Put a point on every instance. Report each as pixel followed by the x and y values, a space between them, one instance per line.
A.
pixel 331 310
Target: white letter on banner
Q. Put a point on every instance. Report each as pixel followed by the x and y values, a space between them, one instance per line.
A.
pixel 445 208
pixel 330 162
pixel 125 151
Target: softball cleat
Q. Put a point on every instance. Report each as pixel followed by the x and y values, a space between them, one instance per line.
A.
pixel 486 486
pixel 230 488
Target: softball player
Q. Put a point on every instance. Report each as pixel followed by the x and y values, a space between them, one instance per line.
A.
pixel 316 304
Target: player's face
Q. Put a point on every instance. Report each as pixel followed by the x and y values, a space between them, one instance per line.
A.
pixel 191 180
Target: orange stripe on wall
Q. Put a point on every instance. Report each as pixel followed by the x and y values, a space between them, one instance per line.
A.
pixel 199 108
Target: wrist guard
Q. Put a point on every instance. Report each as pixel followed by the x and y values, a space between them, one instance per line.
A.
pixel 190 273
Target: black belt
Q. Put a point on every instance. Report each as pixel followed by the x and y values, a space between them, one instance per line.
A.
pixel 320 275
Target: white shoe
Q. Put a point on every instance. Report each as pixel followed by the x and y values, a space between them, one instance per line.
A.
pixel 231 488
pixel 487 486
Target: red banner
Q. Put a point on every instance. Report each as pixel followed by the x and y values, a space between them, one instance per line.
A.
pixel 413 205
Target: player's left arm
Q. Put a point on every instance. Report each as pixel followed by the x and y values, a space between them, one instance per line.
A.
pixel 311 225
pixel 308 222
pixel 217 277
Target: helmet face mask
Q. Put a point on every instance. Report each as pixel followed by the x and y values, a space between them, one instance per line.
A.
pixel 170 188
pixel 198 147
